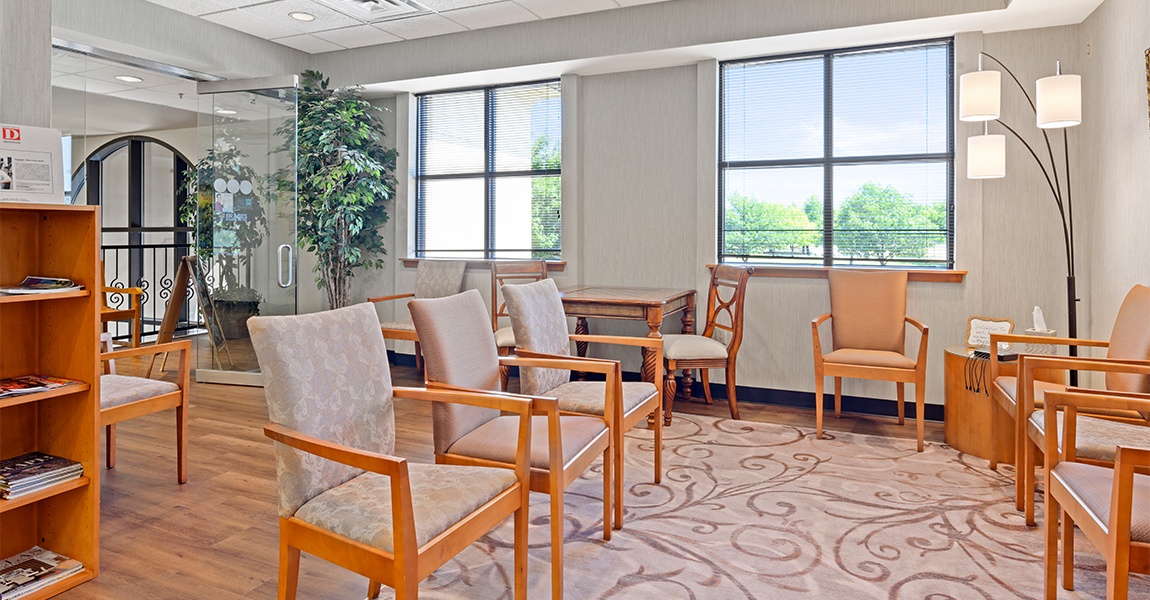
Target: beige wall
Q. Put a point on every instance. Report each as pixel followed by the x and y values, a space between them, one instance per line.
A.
pixel 26 65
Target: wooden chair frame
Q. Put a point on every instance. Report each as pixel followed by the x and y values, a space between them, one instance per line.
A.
pixel 178 400
pixel 722 276
pixel 901 377
pixel 404 568
pixel 133 314
pixel 401 334
pixel 502 271
pixel 1111 538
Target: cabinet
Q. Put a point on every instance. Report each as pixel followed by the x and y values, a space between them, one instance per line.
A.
pixel 53 334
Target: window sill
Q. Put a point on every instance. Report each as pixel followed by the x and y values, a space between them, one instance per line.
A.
pixel 553 266
pixel 931 275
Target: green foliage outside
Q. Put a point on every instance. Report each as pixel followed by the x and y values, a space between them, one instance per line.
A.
pixel 754 227
pixel 546 199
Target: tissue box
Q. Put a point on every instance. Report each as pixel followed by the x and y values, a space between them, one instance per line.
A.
pixel 1049 349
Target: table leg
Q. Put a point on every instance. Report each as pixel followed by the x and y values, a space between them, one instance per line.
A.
pixel 688 320
pixel 581 328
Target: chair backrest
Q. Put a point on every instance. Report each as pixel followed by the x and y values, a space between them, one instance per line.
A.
pixel 1130 339
pixel 325 375
pixel 458 349
pixel 725 302
pixel 540 325
pixel 868 309
pixel 439 278
pixel 520 271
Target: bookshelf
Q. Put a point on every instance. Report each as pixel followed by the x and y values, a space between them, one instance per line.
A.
pixel 53 334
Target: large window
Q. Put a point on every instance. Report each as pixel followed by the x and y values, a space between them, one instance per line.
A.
pixel 844 157
pixel 488 173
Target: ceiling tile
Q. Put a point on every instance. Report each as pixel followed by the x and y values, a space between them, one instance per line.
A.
pixel 356 37
pixel 161 98
pixel 490 15
pixel 68 62
pixel 72 82
pixel 177 86
pixel 308 43
pixel 548 9
pixel 279 13
pixel 442 5
pixel 249 23
pixel 421 26
pixel 102 71
pixel 194 7
pixel 634 2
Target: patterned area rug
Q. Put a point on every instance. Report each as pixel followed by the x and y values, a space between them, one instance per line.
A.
pixel 753 510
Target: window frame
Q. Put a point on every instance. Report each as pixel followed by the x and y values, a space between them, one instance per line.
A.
pixel 828 161
pixel 489 175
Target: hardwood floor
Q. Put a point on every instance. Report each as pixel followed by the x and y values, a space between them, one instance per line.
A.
pixel 216 536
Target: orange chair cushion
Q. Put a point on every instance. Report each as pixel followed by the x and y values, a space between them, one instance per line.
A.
pixel 1130 339
pixel 869 309
pixel 870 358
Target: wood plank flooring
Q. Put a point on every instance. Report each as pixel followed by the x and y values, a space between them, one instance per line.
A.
pixel 215 538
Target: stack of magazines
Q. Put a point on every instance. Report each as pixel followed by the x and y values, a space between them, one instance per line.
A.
pixel 33 570
pixel 32 472
pixel 41 285
pixel 28 384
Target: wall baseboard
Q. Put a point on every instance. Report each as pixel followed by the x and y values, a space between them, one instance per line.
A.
pixel 854 404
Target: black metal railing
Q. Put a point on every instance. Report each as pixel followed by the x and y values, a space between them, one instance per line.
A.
pixel 151 267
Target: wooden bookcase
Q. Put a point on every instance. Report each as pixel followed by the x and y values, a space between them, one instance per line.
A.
pixel 53 334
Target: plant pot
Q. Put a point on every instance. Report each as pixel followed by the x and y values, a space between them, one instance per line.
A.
pixel 234 315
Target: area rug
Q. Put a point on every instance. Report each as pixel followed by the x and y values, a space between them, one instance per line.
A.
pixel 755 511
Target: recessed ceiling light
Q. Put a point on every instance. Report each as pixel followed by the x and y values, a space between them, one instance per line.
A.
pixel 225 111
pixel 129 78
pixel 302 16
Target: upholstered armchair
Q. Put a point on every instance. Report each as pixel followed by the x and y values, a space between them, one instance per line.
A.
pixel 868 333
pixel 1128 353
pixel 1110 505
pixel 503 271
pixel 541 332
pixel 342 495
pixel 726 301
pixel 433 279
pixel 460 354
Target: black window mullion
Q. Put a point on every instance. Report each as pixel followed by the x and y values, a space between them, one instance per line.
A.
pixel 488 168
pixel 828 155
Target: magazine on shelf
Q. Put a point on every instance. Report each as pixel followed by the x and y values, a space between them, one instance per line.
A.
pixel 41 285
pixel 33 570
pixel 33 472
pixel 30 384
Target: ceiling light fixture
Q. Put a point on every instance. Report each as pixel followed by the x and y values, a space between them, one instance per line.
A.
pixel 225 111
pixel 302 16
pixel 129 78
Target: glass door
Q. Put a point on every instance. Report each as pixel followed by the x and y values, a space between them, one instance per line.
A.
pixel 247 249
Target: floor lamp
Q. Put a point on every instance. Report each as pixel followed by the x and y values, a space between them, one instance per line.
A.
pixel 1057 105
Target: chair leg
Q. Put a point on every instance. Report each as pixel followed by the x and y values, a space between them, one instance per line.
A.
pixel 731 400
pixel 110 446
pixel 1067 550
pixel 900 394
pixel 373 588
pixel 418 358
pixel 1050 569
pixel 669 393
pixel 289 569
pixel 1117 579
pixel 1020 440
pixel 182 441
pixel 522 525
pixel 1027 478
pixel 504 377
pixel 658 444
pixel 994 433
pixel 613 487
pixel 705 378
pixel 557 534
pixel 818 407
pixel 838 397
pixel 919 409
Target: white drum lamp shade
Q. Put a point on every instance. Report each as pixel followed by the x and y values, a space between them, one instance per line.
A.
pixel 979 96
pixel 1059 101
pixel 986 156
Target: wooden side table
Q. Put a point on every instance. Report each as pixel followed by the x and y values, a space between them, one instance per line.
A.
pixel 969 406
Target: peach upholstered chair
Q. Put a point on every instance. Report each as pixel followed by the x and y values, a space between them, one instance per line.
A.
pixel 868 332
pixel 503 271
pixel 433 279
pixel 342 496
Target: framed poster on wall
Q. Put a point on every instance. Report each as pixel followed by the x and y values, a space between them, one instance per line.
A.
pixel 31 167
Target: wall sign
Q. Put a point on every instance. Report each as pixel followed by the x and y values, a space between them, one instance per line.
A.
pixel 978 330
pixel 30 164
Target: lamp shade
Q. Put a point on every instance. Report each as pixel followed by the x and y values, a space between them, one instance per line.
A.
pixel 986 156
pixel 1059 101
pixel 979 96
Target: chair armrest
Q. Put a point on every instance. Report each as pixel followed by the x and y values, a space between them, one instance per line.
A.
pixel 1080 398
pixel 617 340
pixel 375 462
pixel 815 341
pixel 1028 363
pixel 1082 390
pixel 922 344
pixel 177 346
pixel 534 404
pixel 526 358
pixel 1039 339
pixel 392 297
pixel 439 392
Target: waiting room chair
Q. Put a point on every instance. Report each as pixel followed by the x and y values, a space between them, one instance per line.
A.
pixel 503 271
pixel 343 496
pixel 461 353
pixel 1110 506
pixel 726 301
pixel 433 279
pixel 132 314
pixel 868 334
pixel 124 397
pixel 541 333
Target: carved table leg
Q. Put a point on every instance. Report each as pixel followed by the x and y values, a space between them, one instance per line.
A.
pixel 688 320
pixel 654 320
pixel 668 397
pixel 581 328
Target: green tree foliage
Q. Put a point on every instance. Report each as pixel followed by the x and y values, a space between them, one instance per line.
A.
pixel 344 177
pixel 878 222
pixel 546 199
pixel 754 228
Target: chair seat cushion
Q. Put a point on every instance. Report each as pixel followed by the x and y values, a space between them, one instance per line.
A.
pixel 1094 485
pixel 1009 385
pixel 404 325
pixel 1096 439
pixel 505 337
pixel 441 496
pixel 685 347
pixel 495 440
pixel 588 396
pixel 118 390
pixel 869 358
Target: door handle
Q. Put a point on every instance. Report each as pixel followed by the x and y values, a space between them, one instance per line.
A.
pixel 280 268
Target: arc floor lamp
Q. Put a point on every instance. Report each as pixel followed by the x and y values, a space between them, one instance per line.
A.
pixel 1057 105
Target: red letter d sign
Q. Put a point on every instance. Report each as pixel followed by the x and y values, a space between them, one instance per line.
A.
pixel 11 134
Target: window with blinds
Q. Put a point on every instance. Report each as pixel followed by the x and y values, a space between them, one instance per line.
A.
pixel 488 173
pixel 843 157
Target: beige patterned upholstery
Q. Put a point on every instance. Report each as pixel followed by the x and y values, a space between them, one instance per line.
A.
pixel 587 397
pixel 404 325
pixel 458 349
pixel 1094 485
pixel 869 309
pixel 1097 439
pixel 684 347
pixel 361 508
pixel 326 376
pixel 439 278
pixel 490 440
pixel 1131 339
pixel 505 337
pixel 118 390
pixel 870 358
pixel 540 325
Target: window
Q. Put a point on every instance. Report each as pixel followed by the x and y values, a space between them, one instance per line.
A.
pixel 488 173
pixel 844 157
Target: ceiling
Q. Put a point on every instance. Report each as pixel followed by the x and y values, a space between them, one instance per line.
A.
pixel 332 30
